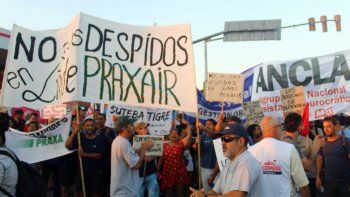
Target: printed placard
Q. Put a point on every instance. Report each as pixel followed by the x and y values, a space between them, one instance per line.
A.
pixel 157 149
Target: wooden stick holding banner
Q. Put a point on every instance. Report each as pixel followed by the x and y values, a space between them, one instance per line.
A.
pixel 80 159
pixel 199 157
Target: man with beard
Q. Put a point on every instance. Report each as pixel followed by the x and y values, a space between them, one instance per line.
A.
pixel 335 155
pixel 242 175
pixel 91 151
pixel 208 157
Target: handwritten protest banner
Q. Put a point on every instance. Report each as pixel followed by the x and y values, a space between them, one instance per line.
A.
pixel 326 82
pixel 225 87
pixel 293 100
pixel 46 143
pixel 99 61
pixel 157 149
pixel 253 112
pixel 159 120
pixel 54 111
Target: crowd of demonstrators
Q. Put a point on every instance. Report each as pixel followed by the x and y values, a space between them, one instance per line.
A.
pixel 278 162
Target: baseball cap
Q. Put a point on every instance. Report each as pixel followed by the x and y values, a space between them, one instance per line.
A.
pixel 124 121
pixel 141 125
pixel 235 129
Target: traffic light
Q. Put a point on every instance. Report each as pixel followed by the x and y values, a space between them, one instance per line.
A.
pixel 324 23
pixel 337 20
pixel 312 26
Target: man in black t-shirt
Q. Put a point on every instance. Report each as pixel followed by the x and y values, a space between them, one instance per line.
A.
pixel 334 155
pixel 91 151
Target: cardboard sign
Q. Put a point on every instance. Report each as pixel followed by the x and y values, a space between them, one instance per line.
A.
pixel 253 112
pixel 293 100
pixel 225 87
pixel 157 149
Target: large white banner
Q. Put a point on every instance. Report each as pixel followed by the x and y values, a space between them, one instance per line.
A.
pixel 46 143
pixel 100 61
pixel 159 119
pixel 326 81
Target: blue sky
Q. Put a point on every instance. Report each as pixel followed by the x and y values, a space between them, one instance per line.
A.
pixel 206 17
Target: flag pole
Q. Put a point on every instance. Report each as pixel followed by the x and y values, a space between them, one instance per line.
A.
pixel 80 159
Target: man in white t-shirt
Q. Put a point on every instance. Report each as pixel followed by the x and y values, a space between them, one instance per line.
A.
pixel 280 162
pixel 125 162
pixel 242 175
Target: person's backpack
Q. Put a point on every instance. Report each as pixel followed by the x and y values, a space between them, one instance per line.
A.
pixel 29 184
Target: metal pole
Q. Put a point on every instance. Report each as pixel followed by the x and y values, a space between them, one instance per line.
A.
pixel 206 60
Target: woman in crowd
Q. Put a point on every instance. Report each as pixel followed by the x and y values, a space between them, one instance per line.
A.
pixel 255 133
pixel 172 164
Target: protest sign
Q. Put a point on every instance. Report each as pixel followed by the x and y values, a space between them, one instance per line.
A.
pixel 157 149
pixel 221 159
pixel 159 120
pixel 46 143
pixel 212 110
pixel 253 112
pixel 225 87
pixel 293 100
pixel 99 61
pixel 326 82
pixel 54 111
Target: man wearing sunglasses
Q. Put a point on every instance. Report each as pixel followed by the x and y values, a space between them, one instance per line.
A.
pixel 280 162
pixel 242 175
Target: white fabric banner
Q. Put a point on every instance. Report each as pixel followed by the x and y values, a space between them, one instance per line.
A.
pixel 100 61
pixel 46 143
pixel 326 81
pixel 222 160
pixel 159 120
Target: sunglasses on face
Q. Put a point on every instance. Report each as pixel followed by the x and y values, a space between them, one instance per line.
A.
pixel 229 139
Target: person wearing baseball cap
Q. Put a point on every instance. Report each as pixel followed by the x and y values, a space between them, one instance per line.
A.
pixel 125 162
pixel 242 175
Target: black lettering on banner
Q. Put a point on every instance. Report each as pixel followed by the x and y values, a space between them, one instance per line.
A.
pixel 293 73
pixel 106 38
pixel 260 83
pixel 79 40
pixel 86 74
pixel 20 42
pixel 9 79
pixel 282 79
pixel 173 54
pixel 133 48
pixel 153 47
pixel 41 50
pixel 100 38
pixel 123 48
pixel 182 48
pixel 34 96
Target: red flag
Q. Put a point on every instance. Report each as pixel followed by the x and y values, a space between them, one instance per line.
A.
pixel 305 121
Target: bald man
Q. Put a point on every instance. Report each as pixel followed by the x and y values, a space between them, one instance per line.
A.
pixel 280 162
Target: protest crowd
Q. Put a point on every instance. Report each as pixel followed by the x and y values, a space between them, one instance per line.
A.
pixel 270 159
pixel 127 125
